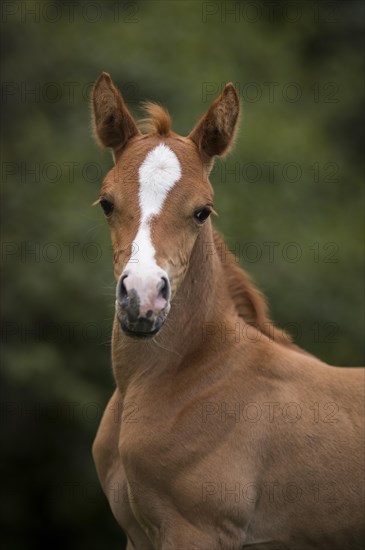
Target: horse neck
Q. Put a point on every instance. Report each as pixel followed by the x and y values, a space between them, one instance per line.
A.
pixel 202 301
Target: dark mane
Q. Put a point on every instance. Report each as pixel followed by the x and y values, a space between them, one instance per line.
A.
pixel 249 301
pixel 158 120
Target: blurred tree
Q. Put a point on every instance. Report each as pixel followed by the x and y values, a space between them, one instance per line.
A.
pixel 289 198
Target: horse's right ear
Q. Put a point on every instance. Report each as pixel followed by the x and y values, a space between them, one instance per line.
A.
pixel 114 126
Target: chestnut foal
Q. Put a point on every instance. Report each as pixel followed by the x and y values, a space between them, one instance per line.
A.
pixel 221 434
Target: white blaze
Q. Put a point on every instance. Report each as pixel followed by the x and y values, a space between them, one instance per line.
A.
pixel 157 175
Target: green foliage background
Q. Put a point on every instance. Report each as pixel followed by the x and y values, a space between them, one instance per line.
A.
pixel 57 309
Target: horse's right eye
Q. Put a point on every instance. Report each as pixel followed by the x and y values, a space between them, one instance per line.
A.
pixel 107 206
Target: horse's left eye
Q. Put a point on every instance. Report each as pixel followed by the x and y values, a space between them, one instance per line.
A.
pixel 202 215
pixel 107 206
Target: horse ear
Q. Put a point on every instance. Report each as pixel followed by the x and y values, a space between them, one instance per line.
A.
pixel 113 123
pixel 215 131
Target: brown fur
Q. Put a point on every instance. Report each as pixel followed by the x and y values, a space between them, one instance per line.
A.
pixel 176 479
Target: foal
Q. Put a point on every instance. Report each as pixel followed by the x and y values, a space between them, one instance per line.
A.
pixel 213 439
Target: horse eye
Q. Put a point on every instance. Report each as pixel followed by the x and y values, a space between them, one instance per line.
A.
pixel 107 206
pixel 202 215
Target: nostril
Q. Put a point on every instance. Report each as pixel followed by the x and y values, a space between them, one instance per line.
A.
pixel 122 290
pixel 164 289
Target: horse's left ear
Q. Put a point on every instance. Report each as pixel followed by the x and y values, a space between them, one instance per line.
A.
pixel 113 124
pixel 215 131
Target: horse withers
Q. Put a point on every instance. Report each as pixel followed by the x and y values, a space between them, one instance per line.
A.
pixel 212 439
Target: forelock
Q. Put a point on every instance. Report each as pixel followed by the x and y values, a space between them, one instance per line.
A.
pixel 157 121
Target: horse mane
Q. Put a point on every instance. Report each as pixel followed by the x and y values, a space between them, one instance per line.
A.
pixel 157 121
pixel 250 303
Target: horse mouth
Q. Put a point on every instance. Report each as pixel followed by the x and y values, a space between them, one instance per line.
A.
pixel 139 330
pixel 139 334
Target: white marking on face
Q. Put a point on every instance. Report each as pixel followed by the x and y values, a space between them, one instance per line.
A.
pixel 158 174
